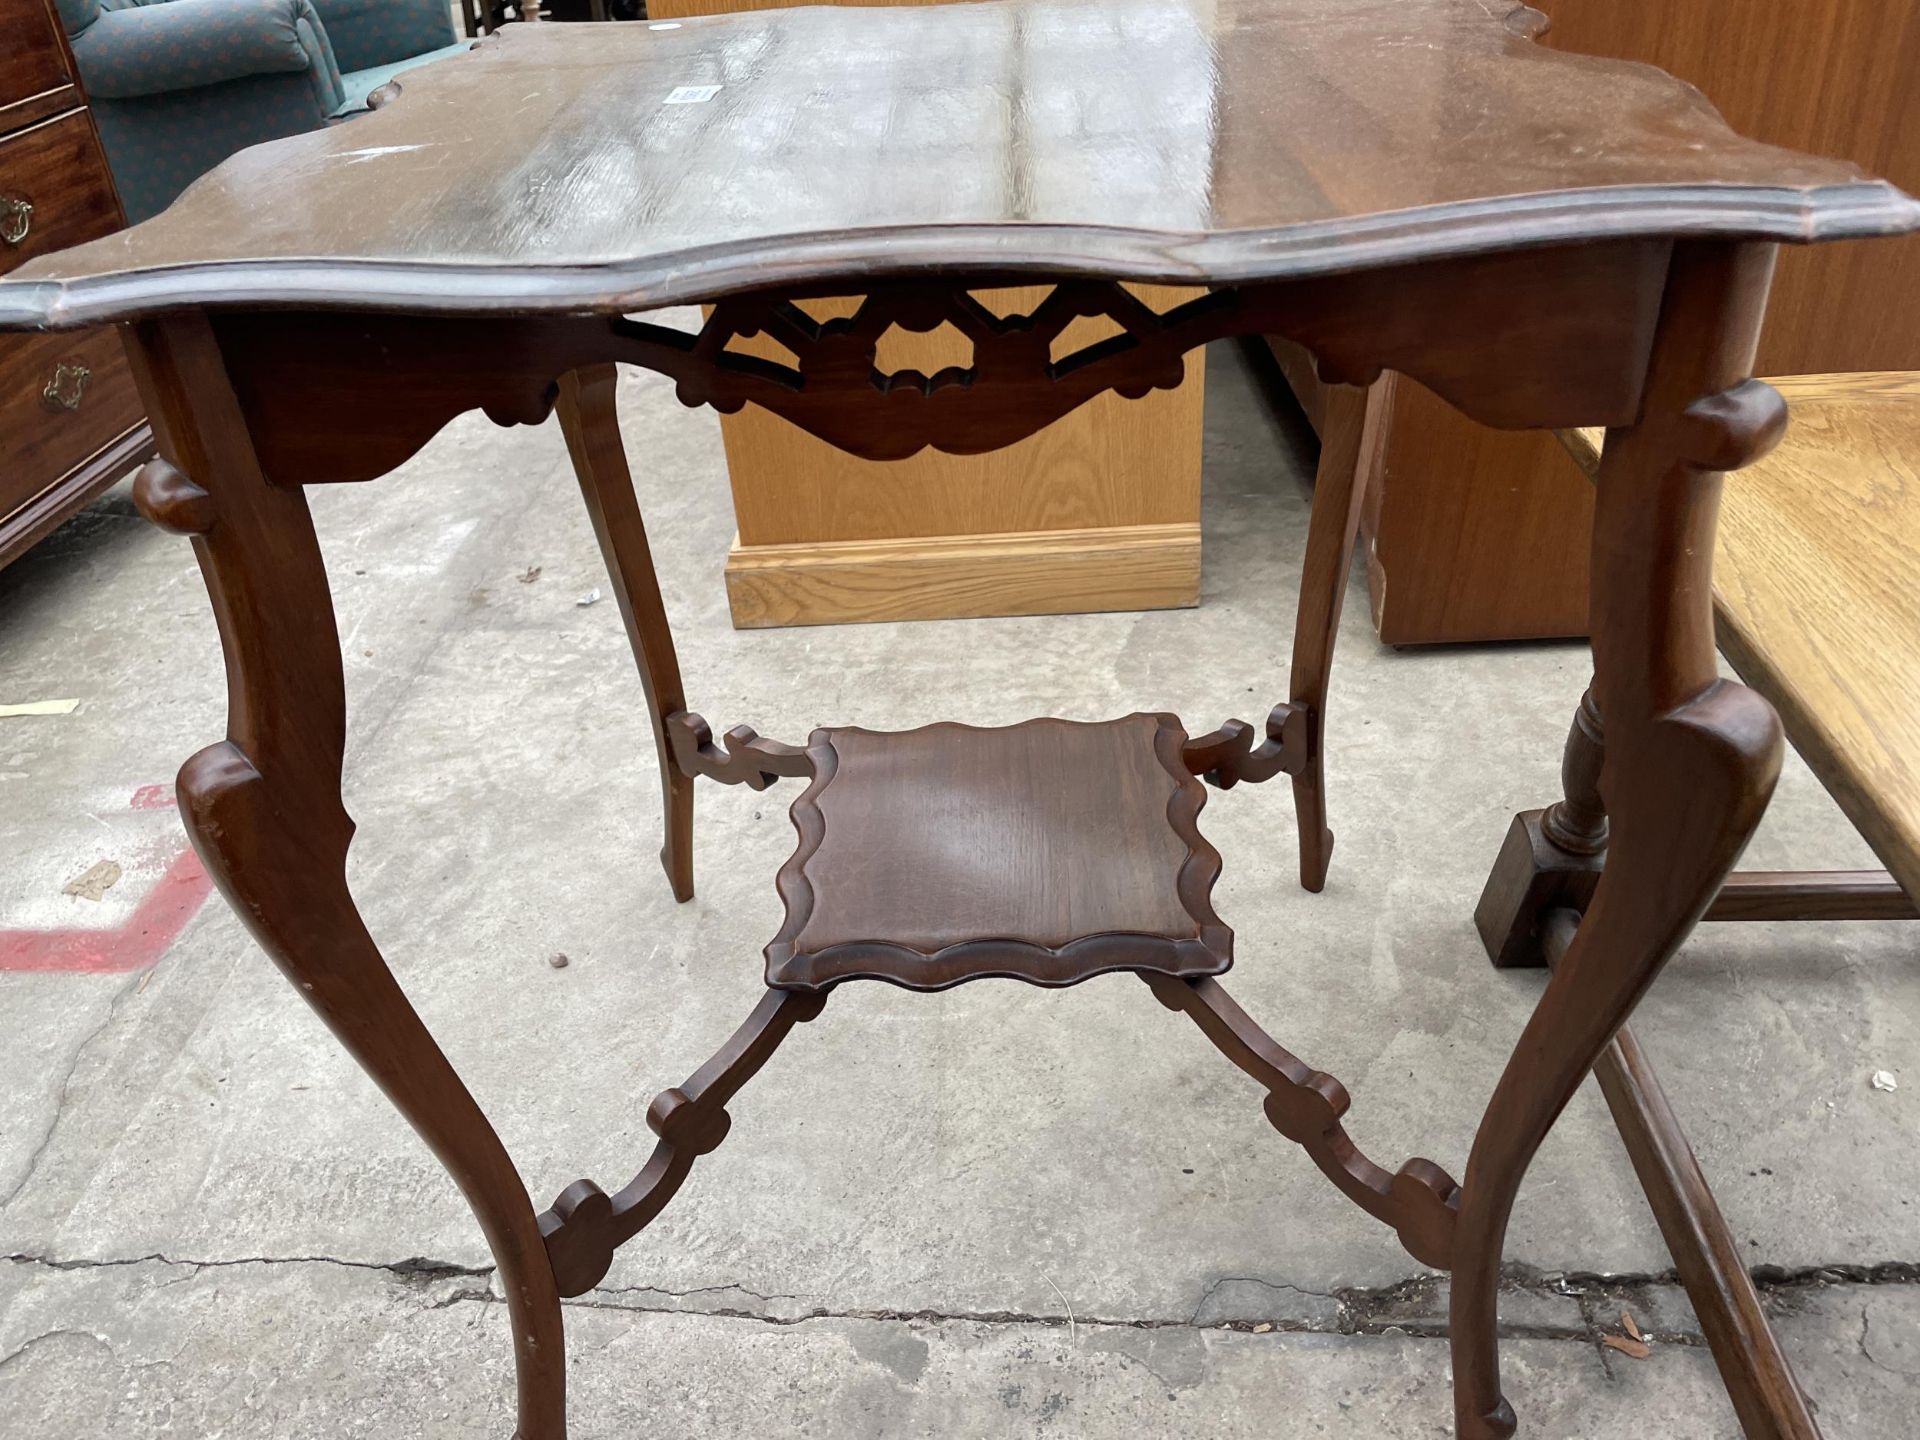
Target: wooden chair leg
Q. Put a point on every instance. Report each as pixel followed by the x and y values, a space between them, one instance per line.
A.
pixel 1347 433
pixel 1674 731
pixel 590 422
pixel 264 809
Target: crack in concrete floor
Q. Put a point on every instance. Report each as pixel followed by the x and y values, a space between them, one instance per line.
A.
pixel 1414 1306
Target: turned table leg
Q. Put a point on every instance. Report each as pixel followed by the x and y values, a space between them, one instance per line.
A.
pixel 1688 764
pixel 1551 858
pixel 264 809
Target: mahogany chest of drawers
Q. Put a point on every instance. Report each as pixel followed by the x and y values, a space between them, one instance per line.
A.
pixel 70 419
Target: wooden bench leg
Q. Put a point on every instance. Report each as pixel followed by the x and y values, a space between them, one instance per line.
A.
pixel 1765 1394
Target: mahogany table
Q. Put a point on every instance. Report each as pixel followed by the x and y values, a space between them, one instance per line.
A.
pixel 1542 239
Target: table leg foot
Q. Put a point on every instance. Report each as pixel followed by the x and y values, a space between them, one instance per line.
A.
pixel 1531 877
pixel 1316 840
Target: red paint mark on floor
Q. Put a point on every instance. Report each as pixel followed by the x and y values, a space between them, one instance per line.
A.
pixel 163 912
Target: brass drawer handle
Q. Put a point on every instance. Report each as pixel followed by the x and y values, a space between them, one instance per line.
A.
pixel 16 218
pixel 68 387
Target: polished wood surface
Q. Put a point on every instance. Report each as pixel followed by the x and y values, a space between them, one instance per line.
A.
pixel 589 421
pixel 1049 852
pixel 1136 139
pixel 44 438
pixel 36 75
pixel 55 167
pixel 1812 895
pixel 1478 534
pixel 1472 533
pixel 1690 763
pixel 1629 297
pixel 1817 594
pixel 403 377
pixel 70 419
pixel 1100 511
pixel 1836 78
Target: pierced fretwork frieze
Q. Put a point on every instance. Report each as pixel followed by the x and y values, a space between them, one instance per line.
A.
pixel 1419 1201
pixel 1013 387
pixel 747 759
pixel 1229 755
pixel 404 377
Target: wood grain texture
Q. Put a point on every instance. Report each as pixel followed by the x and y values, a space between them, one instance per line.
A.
pixel 1044 572
pixel 590 421
pixel 1817 591
pixel 1479 535
pixel 1575 322
pixel 264 808
pixel 34 71
pixel 1812 895
pixel 1673 728
pixel 1473 533
pixel 1836 78
pixel 1181 143
pixel 1122 463
pixel 827 537
pixel 1048 852
pixel 70 420
pixel 58 169
pixel 1816 567
pixel 41 441
pixel 47 509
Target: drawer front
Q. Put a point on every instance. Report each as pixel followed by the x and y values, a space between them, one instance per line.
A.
pixel 31 58
pixel 42 435
pixel 54 190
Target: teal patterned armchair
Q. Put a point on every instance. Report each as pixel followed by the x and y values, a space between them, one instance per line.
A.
pixel 179 85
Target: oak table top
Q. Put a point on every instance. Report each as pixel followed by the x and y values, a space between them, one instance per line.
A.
pixel 615 168
pixel 1816 586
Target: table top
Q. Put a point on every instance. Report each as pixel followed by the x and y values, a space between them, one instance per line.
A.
pixel 1817 594
pixel 597 167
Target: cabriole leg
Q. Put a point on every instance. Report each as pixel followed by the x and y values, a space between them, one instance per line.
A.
pixel 1688 765
pixel 590 422
pixel 1346 435
pixel 264 810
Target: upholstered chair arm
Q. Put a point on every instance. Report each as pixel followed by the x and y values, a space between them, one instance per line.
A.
pixel 366 33
pixel 187 44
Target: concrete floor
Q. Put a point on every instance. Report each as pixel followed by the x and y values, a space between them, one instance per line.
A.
pixel 998 1211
